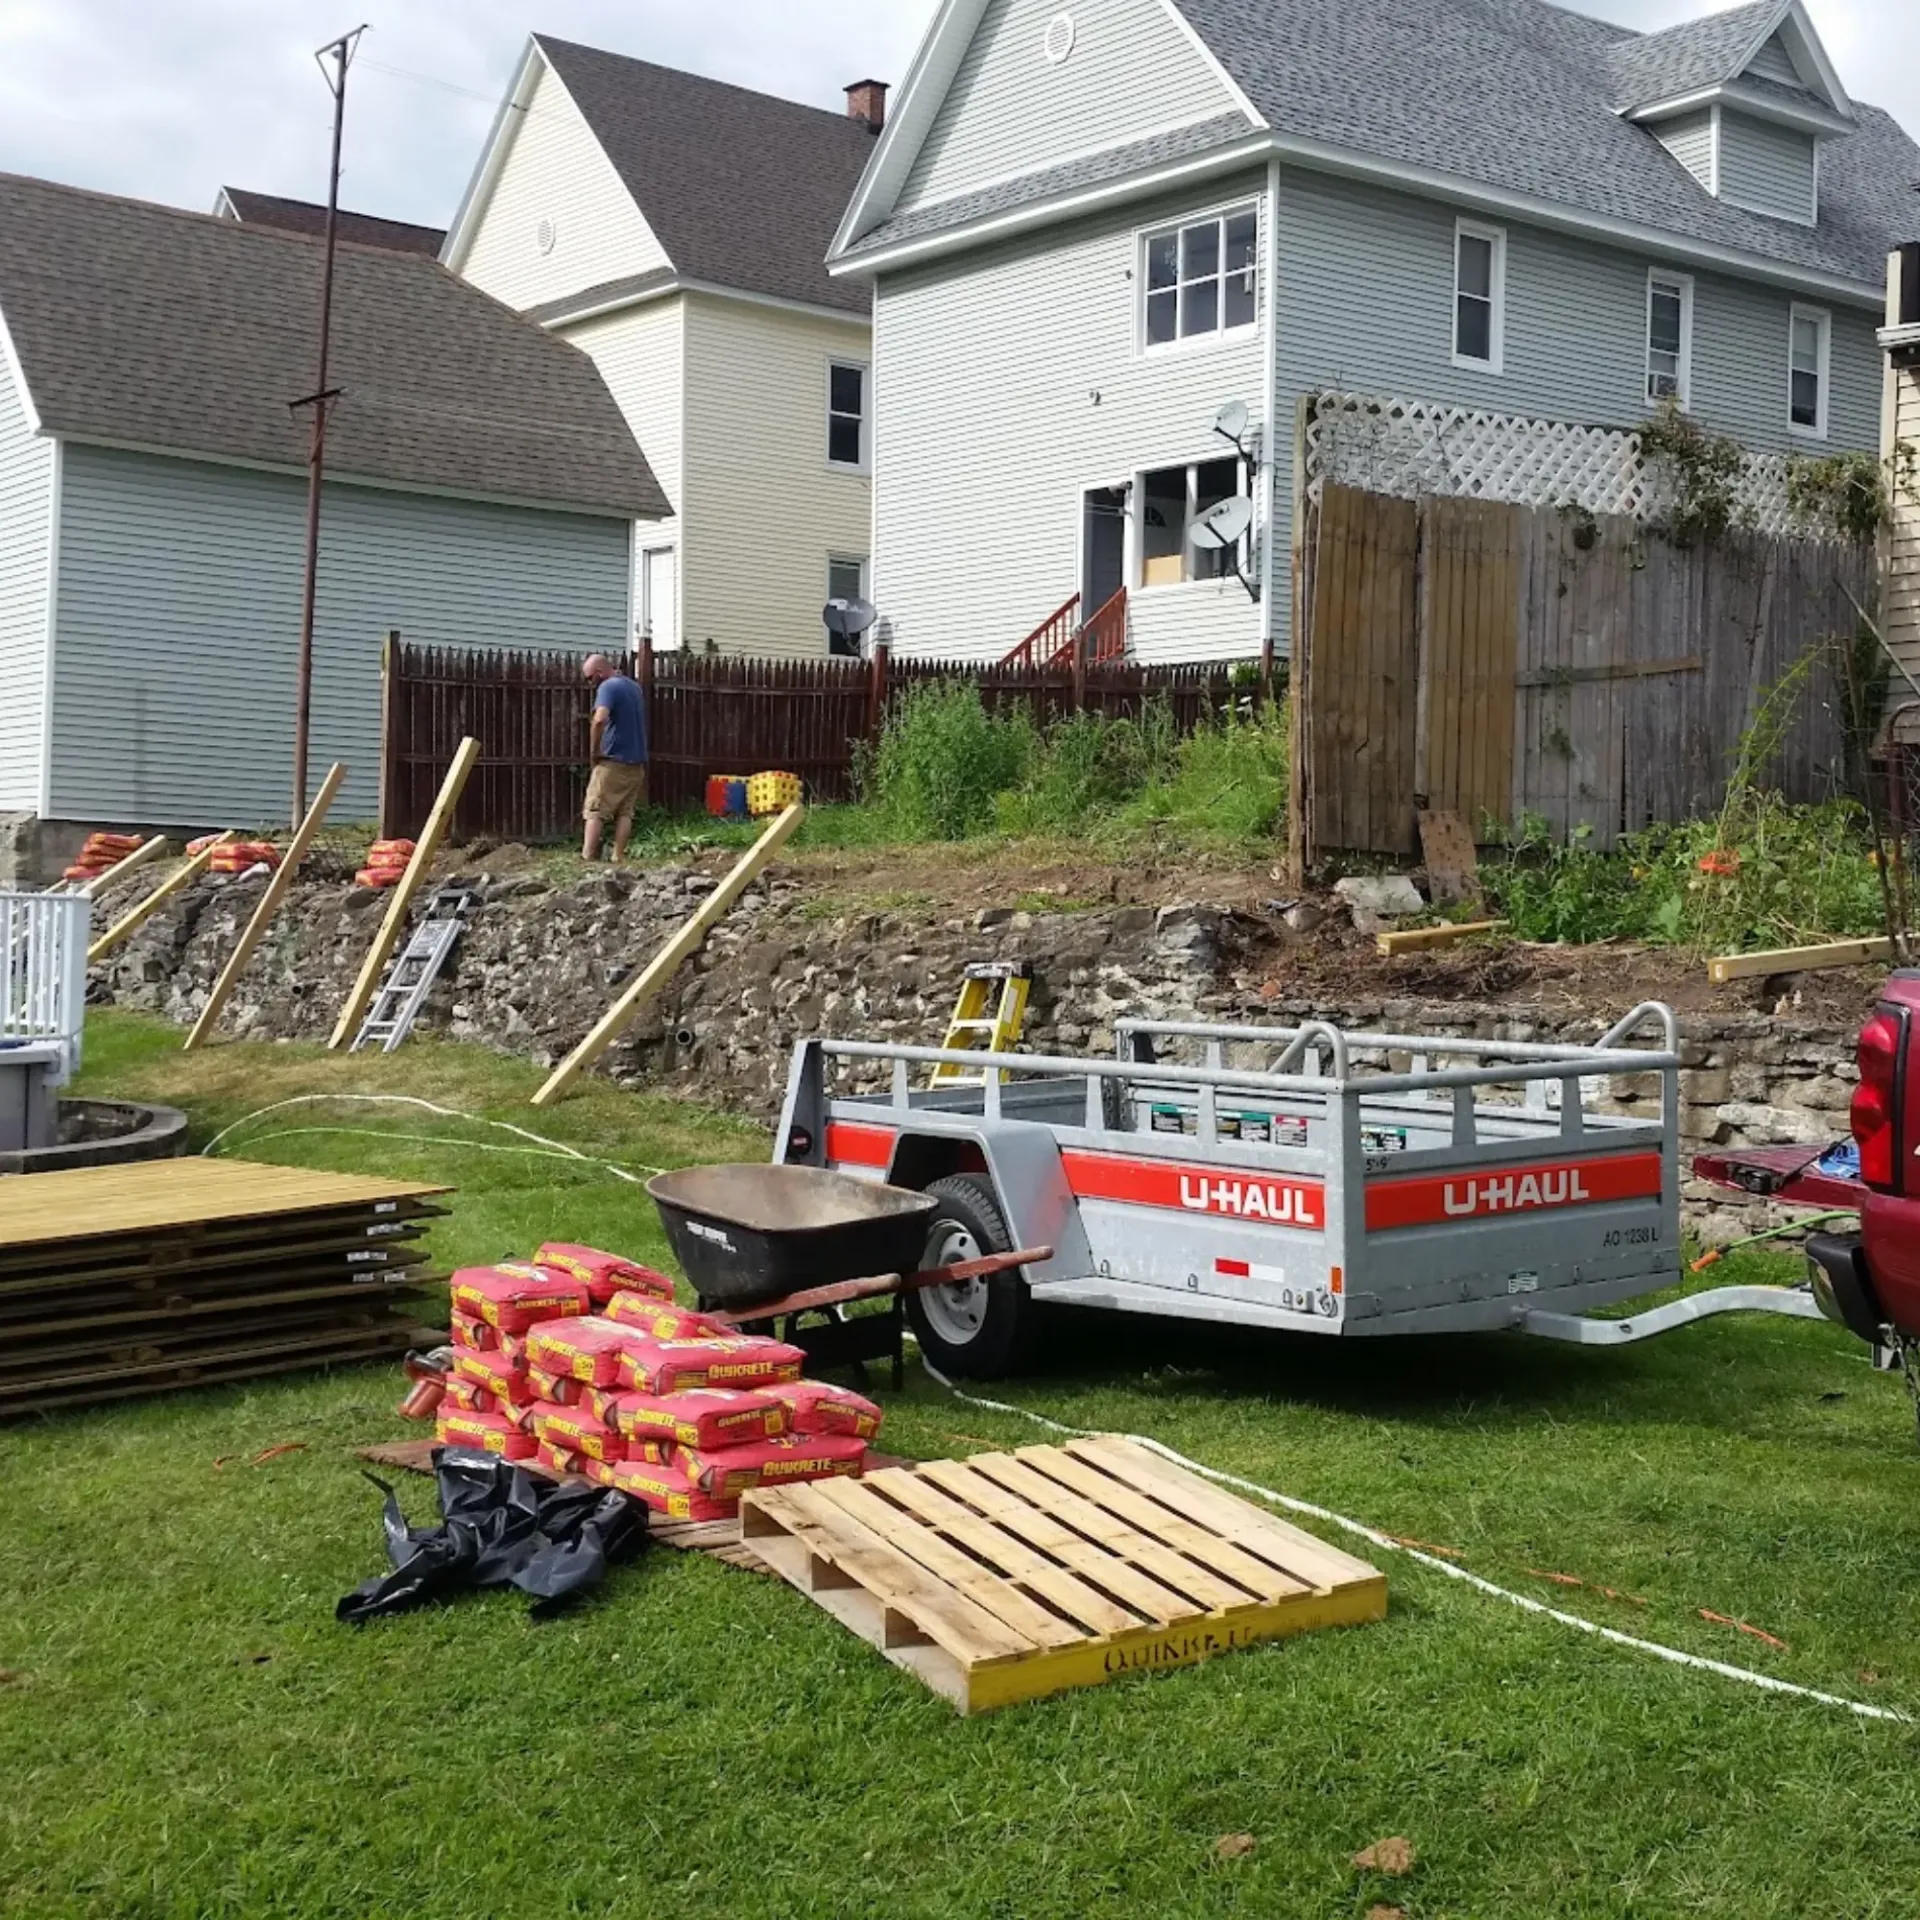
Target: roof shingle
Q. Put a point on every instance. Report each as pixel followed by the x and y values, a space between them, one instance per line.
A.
pixel 307 216
pixel 1520 97
pixel 148 326
pixel 1677 60
pixel 742 189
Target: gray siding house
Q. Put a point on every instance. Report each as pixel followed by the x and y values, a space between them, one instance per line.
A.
pixel 1091 224
pixel 153 502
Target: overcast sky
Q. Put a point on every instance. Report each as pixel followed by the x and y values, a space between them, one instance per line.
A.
pixel 171 99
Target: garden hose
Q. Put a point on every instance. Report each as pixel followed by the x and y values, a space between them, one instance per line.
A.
pixel 1718 1254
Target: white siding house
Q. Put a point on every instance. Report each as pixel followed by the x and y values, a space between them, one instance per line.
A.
pixel 1490 204
pixel 674 230
pixel 153 503
pixel 26 533
pixel 1900 577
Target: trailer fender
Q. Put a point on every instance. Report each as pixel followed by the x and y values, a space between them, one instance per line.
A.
pixel 1029 1179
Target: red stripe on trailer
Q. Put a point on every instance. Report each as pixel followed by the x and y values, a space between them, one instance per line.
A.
pixel 1190 1189
pixel 1437 1199
pixel 1234 1269
pixel 850 1145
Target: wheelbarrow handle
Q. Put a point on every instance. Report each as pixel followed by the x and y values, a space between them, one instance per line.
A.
pixel 845 1292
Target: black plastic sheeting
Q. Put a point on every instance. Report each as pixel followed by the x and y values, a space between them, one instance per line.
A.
pixel 503 1527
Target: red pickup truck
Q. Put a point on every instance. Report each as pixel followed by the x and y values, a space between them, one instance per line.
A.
pixel 1868 1281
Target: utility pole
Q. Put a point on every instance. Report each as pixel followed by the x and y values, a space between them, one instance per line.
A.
pixel 340 52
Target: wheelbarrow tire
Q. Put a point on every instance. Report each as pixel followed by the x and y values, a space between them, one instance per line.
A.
pixel 988 1329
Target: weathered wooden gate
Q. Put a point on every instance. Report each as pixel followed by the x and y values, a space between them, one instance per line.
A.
pixel 1500 661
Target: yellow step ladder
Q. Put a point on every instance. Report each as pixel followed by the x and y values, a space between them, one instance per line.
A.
pixel 987 1018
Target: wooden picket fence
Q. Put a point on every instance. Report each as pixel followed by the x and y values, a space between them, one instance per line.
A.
pixel 1506 661
pixel 708 714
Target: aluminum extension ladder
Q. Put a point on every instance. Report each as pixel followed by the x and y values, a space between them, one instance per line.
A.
pixel 987 1018
pixel 411 977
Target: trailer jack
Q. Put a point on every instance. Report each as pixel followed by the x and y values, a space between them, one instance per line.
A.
pixel 1797 1303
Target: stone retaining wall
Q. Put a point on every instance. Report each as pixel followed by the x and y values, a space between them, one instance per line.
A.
pixel 541 964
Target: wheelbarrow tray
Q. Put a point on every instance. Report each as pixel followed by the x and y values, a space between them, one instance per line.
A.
pixel 744 1234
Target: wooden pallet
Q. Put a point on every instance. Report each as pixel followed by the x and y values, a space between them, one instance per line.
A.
pixel 1008 1577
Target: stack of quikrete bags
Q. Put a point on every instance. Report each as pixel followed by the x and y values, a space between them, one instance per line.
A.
pixel 580 1363
pixel 240 856
pixel 387 864
pixel 101 853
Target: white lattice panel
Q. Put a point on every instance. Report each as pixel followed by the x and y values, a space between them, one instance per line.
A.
pixel 1411 447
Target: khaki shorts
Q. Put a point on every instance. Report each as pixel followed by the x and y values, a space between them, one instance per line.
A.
pixel 614 791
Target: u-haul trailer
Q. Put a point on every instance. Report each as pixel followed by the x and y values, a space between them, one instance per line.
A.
pixel 1311 1179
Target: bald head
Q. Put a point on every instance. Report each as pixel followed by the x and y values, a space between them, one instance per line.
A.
pixel 598 667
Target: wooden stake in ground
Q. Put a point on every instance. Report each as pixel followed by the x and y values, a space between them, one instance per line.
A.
pixel 147 850
pixel 401 904
pixel 277 890
pixel 182 876
pixel 671 958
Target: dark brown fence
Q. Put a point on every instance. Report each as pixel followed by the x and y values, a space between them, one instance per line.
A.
pixel 707 714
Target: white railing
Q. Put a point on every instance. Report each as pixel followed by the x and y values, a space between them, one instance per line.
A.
pixel 1412 447
pixel 43 970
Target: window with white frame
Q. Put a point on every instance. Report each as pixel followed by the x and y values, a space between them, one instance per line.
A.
pixel 1171 500
pixel 1479 295
pixel 846 414
pixel 1669 336
pixel 846 580
pixel 1808 342
pixel 1202 278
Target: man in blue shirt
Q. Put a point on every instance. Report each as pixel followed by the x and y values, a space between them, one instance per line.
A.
pixel 618 744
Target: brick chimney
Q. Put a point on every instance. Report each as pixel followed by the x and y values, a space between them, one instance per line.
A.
pixel 867 103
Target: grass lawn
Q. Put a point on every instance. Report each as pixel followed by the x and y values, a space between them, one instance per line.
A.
pixel 184 1731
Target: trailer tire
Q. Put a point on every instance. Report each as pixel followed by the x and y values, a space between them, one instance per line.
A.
pixel 980 1329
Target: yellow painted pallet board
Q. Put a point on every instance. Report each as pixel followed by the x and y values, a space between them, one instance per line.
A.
pixel 1012 1576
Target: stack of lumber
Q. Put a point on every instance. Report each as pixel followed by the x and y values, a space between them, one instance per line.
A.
pixel 127 1280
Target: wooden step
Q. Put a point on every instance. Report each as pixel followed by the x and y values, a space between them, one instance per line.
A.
pixel 1011 1576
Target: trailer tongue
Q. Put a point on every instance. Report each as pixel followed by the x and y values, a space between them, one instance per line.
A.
pixel 1306 1178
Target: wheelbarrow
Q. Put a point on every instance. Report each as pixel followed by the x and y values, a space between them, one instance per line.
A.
pixel 791 1248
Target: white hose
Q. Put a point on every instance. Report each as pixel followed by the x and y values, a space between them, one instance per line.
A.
pixel 1386 1543
pixel 558 1148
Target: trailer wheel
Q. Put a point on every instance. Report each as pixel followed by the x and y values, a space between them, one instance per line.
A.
pixel 977 1329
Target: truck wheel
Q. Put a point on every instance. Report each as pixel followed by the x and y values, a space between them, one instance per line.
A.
pixel 976 1329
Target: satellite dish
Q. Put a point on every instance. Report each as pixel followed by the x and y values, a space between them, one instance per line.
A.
pixel 1230 423
pixel 849 618
pixel 1223 526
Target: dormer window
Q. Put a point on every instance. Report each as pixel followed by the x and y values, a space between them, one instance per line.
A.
pixel 1746 121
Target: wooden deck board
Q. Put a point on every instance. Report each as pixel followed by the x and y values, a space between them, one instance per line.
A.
pixel 94 1203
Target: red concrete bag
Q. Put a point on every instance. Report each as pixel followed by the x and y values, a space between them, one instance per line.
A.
pixel 559 1460
pixel 669 1492
pixel 578 1431
pixel 517 1299
pixel 603 1274
pixel 485 1433
pixel 672 1366
pixel 659 1320
pixel 815 1407
pixel 700 1417
pixel 466 1396
pixel 475 1335
pixel 587 1350
pixel 494 1373
pixel 562 1393
pixel 728 1472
